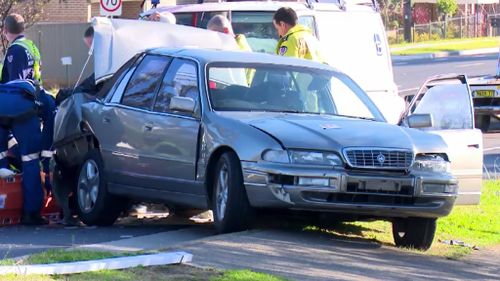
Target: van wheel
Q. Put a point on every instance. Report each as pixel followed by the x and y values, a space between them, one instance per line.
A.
pixel 483 122
pixel 416 233
pixel 231 209
pixel 94 204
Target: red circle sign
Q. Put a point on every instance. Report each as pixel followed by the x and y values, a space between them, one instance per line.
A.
pixel 111 5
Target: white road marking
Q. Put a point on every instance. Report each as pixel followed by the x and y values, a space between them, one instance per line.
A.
pixel 470 64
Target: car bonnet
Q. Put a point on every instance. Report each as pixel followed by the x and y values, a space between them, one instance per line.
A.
pixel 118 40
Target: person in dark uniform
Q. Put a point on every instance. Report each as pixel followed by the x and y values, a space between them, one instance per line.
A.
pixel 19 108
pixel 22 60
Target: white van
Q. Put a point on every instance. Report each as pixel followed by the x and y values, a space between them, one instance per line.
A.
pixel 351 33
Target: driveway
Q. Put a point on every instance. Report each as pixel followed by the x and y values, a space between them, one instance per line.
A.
pixel 319 256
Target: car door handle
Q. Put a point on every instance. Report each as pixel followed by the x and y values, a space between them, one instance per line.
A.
pixel 106 120
pixel 148 127
pixel 473 145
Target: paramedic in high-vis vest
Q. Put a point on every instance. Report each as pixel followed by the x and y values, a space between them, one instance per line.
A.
pixel 295 40
pixel 22 60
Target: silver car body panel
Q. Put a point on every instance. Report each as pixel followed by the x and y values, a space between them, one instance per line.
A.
pixel 170 163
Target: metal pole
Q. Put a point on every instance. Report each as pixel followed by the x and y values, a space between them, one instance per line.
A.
pixel 407 19
pixel 67 75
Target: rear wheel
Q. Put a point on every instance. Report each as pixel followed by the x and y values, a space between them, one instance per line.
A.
pixel 95 205
pixel 416 233
pixel 231 209
pixel 483 122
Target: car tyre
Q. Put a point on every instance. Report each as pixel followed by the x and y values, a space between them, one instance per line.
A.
pixel 416 233
pixel 95 205
pixel 483 122
pixel 231 210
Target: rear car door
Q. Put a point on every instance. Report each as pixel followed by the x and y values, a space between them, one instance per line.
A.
pixel 448 99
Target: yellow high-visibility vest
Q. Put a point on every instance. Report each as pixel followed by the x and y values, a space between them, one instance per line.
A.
pixel 299 42
pixel 35 53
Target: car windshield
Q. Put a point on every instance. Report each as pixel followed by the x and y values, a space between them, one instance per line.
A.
pixel 287 89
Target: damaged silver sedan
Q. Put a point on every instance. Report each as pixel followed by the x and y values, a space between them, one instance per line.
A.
pixel 234 132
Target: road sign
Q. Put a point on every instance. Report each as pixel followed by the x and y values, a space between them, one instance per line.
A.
pixel 111 7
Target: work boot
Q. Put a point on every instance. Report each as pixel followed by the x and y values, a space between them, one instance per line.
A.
pixel 33 219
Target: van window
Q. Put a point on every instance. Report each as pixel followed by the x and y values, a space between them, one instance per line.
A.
pixel 308 21
pixel 184 18
pixel 204 18
pixel 258 29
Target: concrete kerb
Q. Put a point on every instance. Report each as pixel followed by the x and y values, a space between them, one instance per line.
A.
pixel 403 58
pixel 97 265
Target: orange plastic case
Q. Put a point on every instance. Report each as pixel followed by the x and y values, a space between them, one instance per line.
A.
pixel 11 202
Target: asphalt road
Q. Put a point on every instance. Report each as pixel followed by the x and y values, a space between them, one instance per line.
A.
pixel 410 75
pixel 18 240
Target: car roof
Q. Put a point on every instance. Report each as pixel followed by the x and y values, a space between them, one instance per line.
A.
pixel 256 6
pixel 206 56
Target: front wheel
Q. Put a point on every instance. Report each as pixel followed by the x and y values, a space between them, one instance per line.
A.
pixel 231 209
pixel 94 203
pixel 416 233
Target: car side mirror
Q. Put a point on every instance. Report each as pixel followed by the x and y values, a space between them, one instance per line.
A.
pixel 420 121
pixel 184 104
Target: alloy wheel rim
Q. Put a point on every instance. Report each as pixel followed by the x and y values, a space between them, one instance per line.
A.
pixel 88 186
pixel 222 191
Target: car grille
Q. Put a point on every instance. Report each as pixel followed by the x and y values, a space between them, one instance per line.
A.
pixel 375 158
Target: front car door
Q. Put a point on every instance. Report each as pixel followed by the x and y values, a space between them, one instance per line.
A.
pixel 126 120
pixel 173 139
pixel 448 99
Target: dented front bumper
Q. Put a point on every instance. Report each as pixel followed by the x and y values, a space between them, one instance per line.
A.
pixel 372 193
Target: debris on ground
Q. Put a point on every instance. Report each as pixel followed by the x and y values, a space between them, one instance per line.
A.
pixel 459 243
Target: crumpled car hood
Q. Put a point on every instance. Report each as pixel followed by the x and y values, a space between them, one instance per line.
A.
pixel 332 133
pixel 118 40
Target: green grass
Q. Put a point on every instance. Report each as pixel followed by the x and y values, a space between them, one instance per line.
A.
pixel 474 225
pixel 246 275
pixel 168 273
pixel 164 273
pixel 61 255
pixel 444 45
pixel 7 262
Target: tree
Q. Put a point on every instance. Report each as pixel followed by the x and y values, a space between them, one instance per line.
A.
pixel 392 12
pixel 31 10
pixel 446 8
